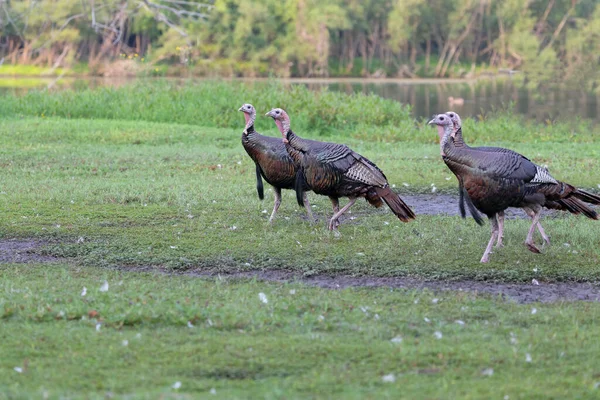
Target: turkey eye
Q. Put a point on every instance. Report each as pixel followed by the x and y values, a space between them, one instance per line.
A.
pixel 441 118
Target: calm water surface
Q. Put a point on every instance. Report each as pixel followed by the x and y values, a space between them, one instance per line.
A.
pixel 471 98
pixel 482 98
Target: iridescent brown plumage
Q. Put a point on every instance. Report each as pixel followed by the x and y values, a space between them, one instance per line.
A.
pixel 336 171
pixel 272 161
pixel 494 179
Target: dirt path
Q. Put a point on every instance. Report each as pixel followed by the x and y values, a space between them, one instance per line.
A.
pixel 446 204
pixel 23 251
pixel 519 292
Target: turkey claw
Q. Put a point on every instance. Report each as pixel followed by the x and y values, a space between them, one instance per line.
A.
pixel 333 225
pixel 531 247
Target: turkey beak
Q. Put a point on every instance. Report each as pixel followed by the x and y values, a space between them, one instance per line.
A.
pixel 431 122
pixel 269 114
pixel 241 108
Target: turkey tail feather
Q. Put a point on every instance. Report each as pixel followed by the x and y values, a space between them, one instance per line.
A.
pixel 395 203
pixel 299 187
pixel 259 183
pixel 472 208
pixel 461 202
pixel 586 196
pixel 576 206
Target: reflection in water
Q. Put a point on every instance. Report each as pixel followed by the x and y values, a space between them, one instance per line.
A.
pixel 481 98
pixel 471 98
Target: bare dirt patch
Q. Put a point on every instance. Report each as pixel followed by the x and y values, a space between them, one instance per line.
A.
pixel 519 292
pixel 447 204
pixel 23 251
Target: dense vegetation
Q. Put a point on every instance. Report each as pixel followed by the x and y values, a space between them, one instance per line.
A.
pixel 546 40
pixel 215 103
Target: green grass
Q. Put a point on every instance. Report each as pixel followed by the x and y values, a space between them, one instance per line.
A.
pixel 134 190
pixel 212 104
pixel 29 70
pixel 111 190
pixel 304 342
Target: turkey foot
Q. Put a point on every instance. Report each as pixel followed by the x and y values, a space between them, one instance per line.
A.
pixel 334 220
pixel 534 223
pixel 532 248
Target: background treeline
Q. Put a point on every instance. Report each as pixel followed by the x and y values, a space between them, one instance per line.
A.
pixel 546 40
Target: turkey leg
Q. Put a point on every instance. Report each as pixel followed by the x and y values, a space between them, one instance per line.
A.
pixel 531 214
pixel 277 192
pixel 534 222
pixel 543 233
pixel 486 254
pixel 333 224
pixel 307 206
pixel 500 229
pixel 335 203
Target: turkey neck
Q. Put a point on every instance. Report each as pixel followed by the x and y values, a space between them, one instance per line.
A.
pixel 297 142
pixel 454 148
pixel 458 138
pixel 444 133
pixel 249 122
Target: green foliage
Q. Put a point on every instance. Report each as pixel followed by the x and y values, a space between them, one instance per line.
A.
pixel 548 41
pixel 28 70
pixel 213 104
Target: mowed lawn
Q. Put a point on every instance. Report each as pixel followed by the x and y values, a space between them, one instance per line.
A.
pixel 108 195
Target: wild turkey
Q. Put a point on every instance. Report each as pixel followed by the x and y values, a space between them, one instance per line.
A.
pixel 272 162
pixel 336 171
pixel 463 197
pixel 494 179
pixel 459 141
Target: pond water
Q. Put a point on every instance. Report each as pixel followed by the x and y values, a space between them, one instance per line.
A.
pixel 426 97
pixel 475 98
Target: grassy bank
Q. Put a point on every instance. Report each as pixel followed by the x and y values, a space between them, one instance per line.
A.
pixel 324 113
pixel 148 332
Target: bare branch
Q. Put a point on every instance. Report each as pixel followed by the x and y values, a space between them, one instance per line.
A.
pixel 190 3
pixel 9 19
pixel 178 12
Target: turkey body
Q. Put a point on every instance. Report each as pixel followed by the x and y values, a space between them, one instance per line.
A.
pixel 271 158
pixel 335 170
pixel 275 164
pixel 535 183
pixel 492 180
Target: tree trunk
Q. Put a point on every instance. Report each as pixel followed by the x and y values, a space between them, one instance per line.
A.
pixel 440 63
pixel 413 55
pixel 427 54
